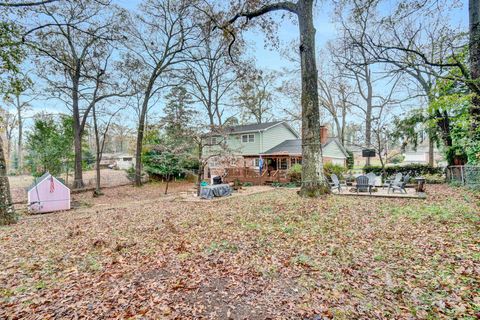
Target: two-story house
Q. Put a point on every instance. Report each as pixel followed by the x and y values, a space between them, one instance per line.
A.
pixel 274 144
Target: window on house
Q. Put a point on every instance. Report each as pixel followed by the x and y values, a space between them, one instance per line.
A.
pixel 256 162
pixel 212 140
pixel 213 163
pixel 248 138
pixel 283 164
pixel 296 161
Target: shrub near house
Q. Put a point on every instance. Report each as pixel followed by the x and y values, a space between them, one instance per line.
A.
pixel 295 172
pixel 413 169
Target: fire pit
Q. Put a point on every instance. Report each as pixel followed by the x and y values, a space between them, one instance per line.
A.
pixel 420 188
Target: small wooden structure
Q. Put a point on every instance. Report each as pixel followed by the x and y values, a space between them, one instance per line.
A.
pixel 48 194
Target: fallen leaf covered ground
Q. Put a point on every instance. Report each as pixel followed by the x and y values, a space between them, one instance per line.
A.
pixel 266 256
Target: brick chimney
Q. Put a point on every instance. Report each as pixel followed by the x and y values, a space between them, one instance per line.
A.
pixel 323 135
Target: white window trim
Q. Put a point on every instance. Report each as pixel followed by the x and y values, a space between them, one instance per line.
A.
pixel 248 138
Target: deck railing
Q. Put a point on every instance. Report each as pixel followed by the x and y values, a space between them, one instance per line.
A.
pixel 254 176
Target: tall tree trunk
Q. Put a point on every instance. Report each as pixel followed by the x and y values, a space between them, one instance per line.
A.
pixel 338 127
pixel 211 119
pixel 98 157
pixel 8 157
pixel 7 212
pixel 200 168
pixel 20 134
pixel 140 134
pixel 77 136
pixel 474 46
pixel 166 186
pixel 430 150
pixel 368 116
pixel 428 88
pixel 344 123
pixel 313 178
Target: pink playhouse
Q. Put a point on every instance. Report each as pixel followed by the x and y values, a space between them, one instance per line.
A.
pixel 48 194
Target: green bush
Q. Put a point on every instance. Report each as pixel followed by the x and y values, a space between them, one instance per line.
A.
pixel 131 174
pixel 397 159
pixel 350 160
pixel 434 178
pixel 329 169
pixel 295 173
pixel 413 169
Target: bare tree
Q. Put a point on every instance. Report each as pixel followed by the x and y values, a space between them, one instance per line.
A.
pixel 101 129
pixel 74 36
pixel 257 96
pixel 314 182
pixel 210 76
pixel 215 141
pixel 158 41
pixel 360 67
pixel 453 42
pixel 122 134
pixel 336 96
pixel 383 140
pixel 25 3
pixel 16 99
pixel 434 37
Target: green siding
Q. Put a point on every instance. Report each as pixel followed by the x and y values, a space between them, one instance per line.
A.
pixel 264 141
pixel 236 145
pixel 244 148
pixel 276 135
pixel 332 150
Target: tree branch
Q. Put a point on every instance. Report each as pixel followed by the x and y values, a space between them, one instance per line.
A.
pixel 26 4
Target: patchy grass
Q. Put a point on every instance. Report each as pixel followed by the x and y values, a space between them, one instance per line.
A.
pixel 270 255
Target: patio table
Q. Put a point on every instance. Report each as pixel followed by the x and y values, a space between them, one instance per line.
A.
pixel 216 190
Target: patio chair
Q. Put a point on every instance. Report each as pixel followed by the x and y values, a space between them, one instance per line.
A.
pixel 363 184
pixel 336 183
pixel 399 185
pixel 372 178
pixel 397 180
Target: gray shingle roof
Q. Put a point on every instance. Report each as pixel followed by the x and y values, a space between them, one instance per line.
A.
pixel 287 147
pixel 252 127
pixel 294 147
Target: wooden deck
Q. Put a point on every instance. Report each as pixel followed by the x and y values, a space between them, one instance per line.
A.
pixel 254 177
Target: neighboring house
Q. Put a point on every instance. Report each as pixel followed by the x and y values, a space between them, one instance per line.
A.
pixel 420 155
pixel 48 194
pixel 359 161
pixel 121 161
pixel 276 143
